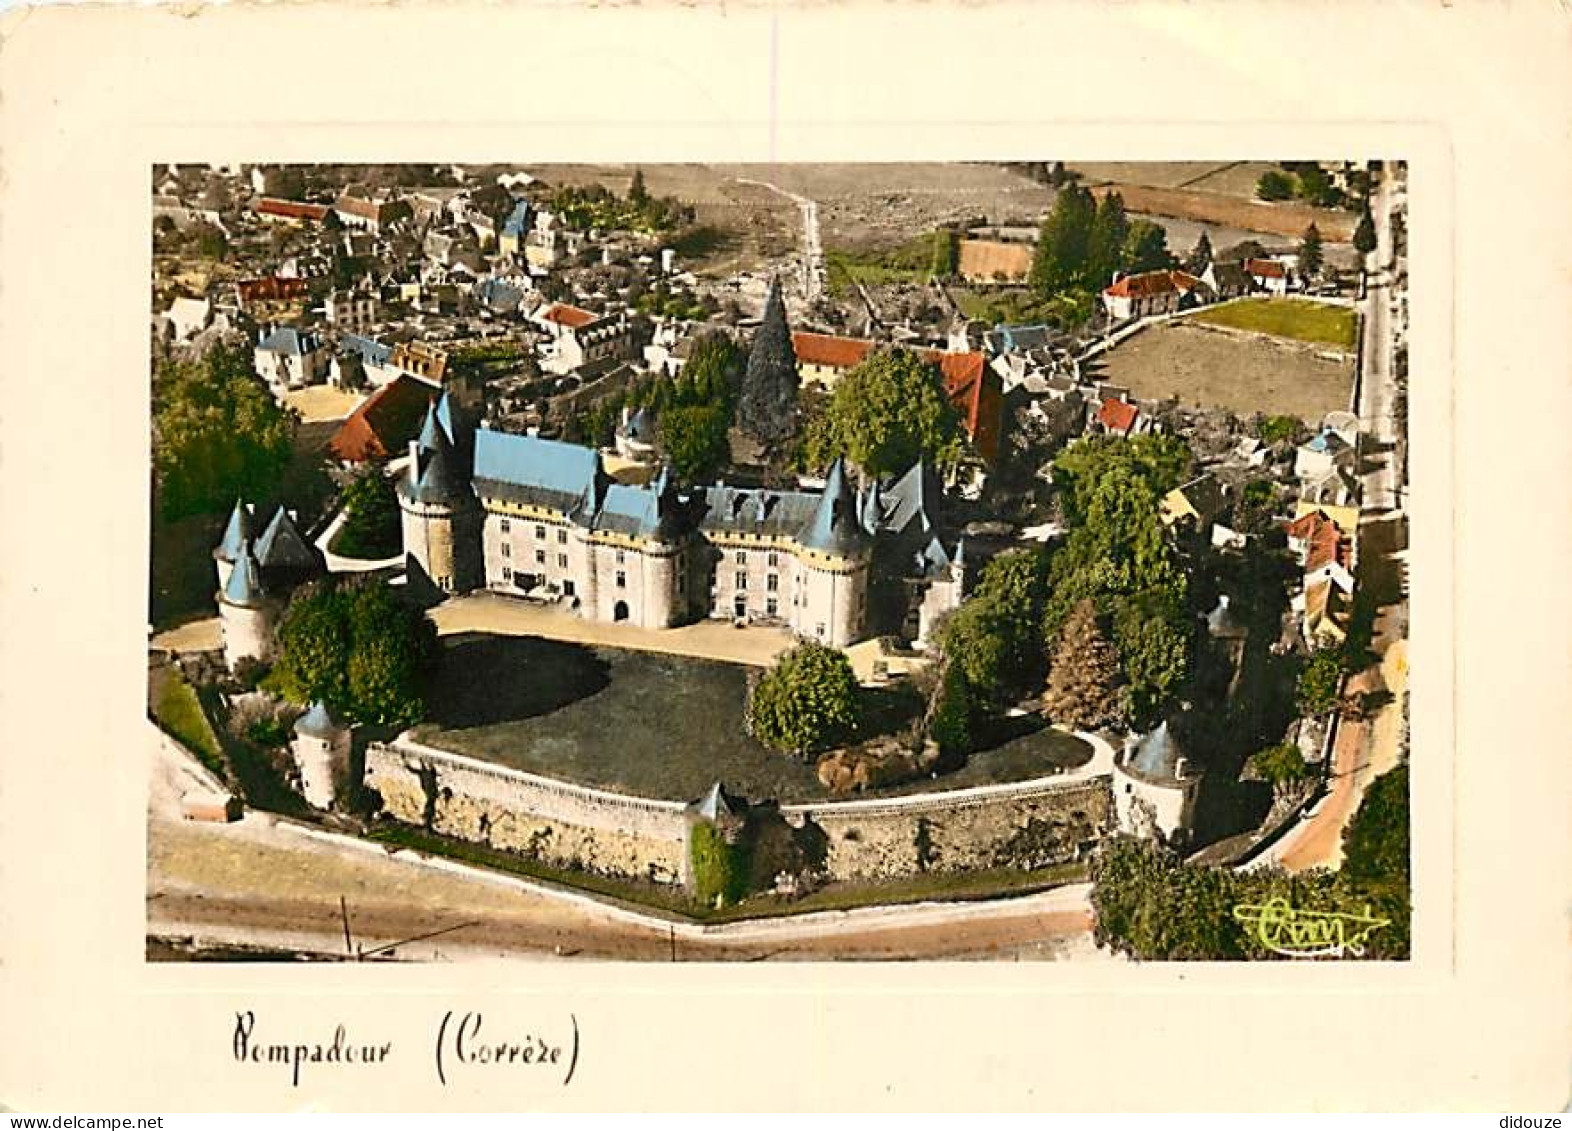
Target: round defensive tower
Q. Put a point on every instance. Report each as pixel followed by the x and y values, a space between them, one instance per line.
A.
pixel 236 535
pixel 438 511
pixel 248 615
pixel 665 593
pixel 834 565
pixel 321 749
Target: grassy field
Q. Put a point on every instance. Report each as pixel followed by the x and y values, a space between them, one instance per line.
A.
pixel 173 703
pixel 1244 374
pixel 1288 318
pixel 663 726
pixel 909 262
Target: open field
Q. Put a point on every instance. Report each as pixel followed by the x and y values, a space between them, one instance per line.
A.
pixel 1228 178
pixel 1219 368
pixel 663 726
pixel 1287 318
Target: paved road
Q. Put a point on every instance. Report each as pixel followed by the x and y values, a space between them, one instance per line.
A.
pixel 1365 750
pixel 263 883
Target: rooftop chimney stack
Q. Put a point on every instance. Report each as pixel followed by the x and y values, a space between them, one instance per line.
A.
pixel 414 463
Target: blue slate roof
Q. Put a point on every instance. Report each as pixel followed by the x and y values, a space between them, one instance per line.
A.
pixel 1327 441
pixel 320 722
pixel 441 478
pixel 372 352
pixel 1004 339
pixel 244 587
pixel 761 511
pixel 1157 755
pixel 835 528
pixel 236 534
pixel 498 295
pixel 517 222
pixel 530 469
pixel 289 341
pixel 283 546
pixel 912 500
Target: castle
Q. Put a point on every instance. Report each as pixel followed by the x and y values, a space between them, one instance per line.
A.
pixel 256 574
pixel 524 515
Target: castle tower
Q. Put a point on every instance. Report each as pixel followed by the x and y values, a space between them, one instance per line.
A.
pixel 665 585
pixel 236 535
pixel 834 566
pixel 321 749
pixel 439 510
pixel 1154 787
pixel 248 616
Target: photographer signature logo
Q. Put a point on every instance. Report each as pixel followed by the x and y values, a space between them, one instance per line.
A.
pixel 1284 929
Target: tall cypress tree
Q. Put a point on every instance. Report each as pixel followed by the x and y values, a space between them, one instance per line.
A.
pixel 1083 686
pixel 1105 245
pixel 1061 248
pixel 1200 256
pixel 767 409
pixel 1310 253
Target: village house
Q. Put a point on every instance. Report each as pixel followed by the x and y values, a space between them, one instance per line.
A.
pixel 1200 501
pixel 189 317
pixel 577 337
pixel 372 210
pixel 1152 292
pixel 1116 417
pixel 1269 275
pixel 382 426
pixel 287 358
pixel 1227 280
pixel 514 230
pixel 351 311
pixel 275 210
pixel 271 288
pixel 1325 452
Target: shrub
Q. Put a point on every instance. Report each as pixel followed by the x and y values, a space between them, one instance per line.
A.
pixel 719 865
pixel 806 702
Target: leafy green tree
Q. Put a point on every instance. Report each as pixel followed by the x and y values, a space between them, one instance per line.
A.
pixel 1153 639
pixel 1084 682
pixel 1365 233
pixel 946 253
pixel 718 864
pixel 887 413
pixel 1281 766
pixel 955 707
pixel 1320 681
pixel 218 434
pixel 694 439
pixel 1315 186
pixel 638 195
pixel 1200 257
pixel 1310 254
pixel 1276 429
pixel 767 409
pixel 371 516
pixel 1060 259
pixel 1162 461
pixel 1105 243
pixel 1376 842
pixel 1146 247
pixel 357 647
pixel 1274 185
pixel 975 640
pixel 807 702
pixel 711 375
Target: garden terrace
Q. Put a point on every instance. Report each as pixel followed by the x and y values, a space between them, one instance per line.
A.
pixel 666 727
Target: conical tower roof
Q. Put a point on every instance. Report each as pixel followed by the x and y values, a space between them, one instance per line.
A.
pixel 320 722
pixel 1157 755
pixel 236 534
pixel 429 429
pixel 440 479
pixel 244 587
pixel 283 546
pixel 713 805
pixel 835 528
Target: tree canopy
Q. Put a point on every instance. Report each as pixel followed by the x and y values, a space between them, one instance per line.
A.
pixel 218 434
pixel 1083 684
pixel 767 408
pixel 807 702
pixel 1310 254
pixel 694 438
pixel 884 415
pixel 357 647
pixel 371 516
pixel 1365 233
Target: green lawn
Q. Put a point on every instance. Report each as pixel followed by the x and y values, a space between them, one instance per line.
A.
pixel 175 708
pixel 909 262
pixel 1288 318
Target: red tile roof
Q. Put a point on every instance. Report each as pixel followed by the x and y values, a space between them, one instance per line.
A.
pixel 272 288
pixel 977 394
pixel 1152 283
pixel 565 314
pixel 385 422
pixel 293 209
pixel 1325 549
pixel 829 349
pixel 1309 525
pixel 1117 416
pixel 1266 269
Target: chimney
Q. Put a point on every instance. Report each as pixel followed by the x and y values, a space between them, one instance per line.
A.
pixel 414 462
pixel 1181 764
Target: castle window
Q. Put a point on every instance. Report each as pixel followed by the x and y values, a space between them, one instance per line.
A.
pixel 540 557
pixel 621 557
pixel 773 558
pixel 742 557
pixel 507 574
pixel 540 532
pixel 562 537
pixel 567 588
pixel 622 580
pixel 742 580
pixel 772 607
pixel 773 582
pixel 505 525
pixel 507 550
pixel 562 561
pixel 819 630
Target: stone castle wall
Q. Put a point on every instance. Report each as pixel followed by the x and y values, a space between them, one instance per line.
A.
pixel 557 823
pixel 1026 825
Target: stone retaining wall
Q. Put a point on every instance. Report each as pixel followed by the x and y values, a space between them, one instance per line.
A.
pixel 1027 825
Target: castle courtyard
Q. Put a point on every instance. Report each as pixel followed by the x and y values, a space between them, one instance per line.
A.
pixel 663 726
